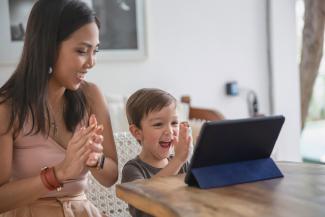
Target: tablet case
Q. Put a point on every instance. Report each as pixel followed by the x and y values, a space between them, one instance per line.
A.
pixel 215 162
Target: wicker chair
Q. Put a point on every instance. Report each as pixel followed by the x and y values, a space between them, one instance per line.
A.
pixel 105 198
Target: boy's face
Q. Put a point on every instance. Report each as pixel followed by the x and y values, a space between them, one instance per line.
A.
pixel 158 130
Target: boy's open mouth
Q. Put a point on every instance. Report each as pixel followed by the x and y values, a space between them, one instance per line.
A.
pixel 165 144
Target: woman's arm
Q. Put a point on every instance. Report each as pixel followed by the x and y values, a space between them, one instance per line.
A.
pixel 16 193
pixel 21 192
pixel 109 174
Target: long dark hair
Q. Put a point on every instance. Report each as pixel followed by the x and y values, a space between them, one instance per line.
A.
pixel 50 22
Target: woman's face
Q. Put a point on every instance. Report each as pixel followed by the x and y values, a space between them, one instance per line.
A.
pixel 77 54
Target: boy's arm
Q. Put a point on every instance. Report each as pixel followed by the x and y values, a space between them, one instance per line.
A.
pixel 173 167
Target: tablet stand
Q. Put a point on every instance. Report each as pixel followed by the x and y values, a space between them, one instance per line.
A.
pixel 235 173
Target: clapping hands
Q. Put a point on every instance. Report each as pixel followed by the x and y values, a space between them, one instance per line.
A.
pixel 95 144
pixel 83 151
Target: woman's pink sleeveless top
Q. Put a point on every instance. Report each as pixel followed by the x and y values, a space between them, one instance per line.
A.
pixel 33 152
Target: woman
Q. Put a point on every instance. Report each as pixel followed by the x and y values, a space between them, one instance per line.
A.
pixel 49 117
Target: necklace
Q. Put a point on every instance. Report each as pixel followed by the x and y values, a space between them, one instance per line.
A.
pixel 55 128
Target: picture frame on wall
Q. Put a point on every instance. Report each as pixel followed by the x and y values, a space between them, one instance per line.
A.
pixel 123 29
pixel 122 33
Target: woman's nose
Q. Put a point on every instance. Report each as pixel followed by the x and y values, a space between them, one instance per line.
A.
pixel 91 61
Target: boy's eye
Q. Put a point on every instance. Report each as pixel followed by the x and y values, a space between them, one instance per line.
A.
pixel 175 123
pixel 157 124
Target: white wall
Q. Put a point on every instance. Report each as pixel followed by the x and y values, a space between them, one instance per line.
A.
pixel 195 47
pixel 285 76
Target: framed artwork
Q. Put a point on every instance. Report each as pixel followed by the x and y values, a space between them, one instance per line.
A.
pixel 122 33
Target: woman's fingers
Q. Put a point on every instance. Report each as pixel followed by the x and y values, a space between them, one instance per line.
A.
pixel 93 159
pixel 96 147
pixel 77 134
pixel 92 120
pixel 82 149
pixel 85 146
pixel 100 129
pixel 84 157
pixel 97 138
pixel 81 138
pixel 84 142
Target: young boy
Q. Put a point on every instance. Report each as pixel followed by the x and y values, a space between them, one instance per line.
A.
pixel 153 121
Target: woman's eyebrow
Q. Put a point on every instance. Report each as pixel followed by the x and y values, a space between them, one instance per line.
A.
pixel 88 44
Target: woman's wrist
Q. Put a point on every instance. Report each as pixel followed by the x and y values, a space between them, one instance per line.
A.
pixel 60 173
pixel 99 166
pixel 50 180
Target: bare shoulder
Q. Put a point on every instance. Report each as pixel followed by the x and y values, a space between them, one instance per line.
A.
pixel 94 96
pixel 5 113
pixel 6 143
pixel 91 90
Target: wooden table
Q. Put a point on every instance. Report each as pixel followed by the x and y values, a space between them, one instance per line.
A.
pixel 300 193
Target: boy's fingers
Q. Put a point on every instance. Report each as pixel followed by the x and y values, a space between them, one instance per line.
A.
pixel 175 140
pixel 185 123
pixel 189 131
pixel 185 129
pixel 183 132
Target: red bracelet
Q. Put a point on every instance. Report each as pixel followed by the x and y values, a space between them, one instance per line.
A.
pixel 44 180
pixel 50 180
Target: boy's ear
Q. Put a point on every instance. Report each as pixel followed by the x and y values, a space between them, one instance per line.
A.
pixel 136 132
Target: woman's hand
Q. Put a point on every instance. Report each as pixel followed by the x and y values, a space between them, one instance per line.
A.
pixel 95 144
pixel 183 145
pixel 77 154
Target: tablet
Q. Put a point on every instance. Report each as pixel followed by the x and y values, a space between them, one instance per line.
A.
pixel 231 141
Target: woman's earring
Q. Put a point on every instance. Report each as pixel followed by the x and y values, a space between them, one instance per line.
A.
pixel 50 70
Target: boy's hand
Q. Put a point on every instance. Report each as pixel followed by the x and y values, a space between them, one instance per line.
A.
pixel 183 145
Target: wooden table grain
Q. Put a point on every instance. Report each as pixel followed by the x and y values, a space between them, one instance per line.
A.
pixel 300 193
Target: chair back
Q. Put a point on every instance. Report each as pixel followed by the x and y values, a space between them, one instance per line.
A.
pixel 105 198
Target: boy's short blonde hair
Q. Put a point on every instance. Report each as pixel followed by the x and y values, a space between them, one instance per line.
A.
pixel 146 100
